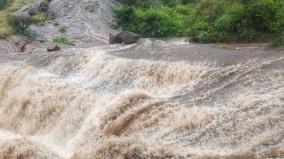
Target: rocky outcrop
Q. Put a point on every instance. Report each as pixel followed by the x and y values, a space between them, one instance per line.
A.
pixel 15 44
pixel 33 9
pixel 88 21
pixel 123 38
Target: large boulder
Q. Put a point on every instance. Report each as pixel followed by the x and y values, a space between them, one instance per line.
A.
pixel 53 47
pixel 123 38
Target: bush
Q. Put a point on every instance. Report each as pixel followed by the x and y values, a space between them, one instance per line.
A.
pixel 203 20
pixel 152 22
pixel 7 21
pixel 3 4
pixel 277 42
pixel 124 15
pixel 152 3
pixel 40 18
pixel 20 24
pixel 260 14
pixel 63 40
pixel 137 3
pixel 236 21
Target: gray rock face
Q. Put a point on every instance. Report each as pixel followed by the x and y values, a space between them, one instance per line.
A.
pixel 84 20
pixel 123 38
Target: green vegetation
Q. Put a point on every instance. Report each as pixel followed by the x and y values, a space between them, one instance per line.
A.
pixel 152 22
pixel 277 42
pixel 63 40
pixel 3 4
pixel 203 20
pixel 40 18
pixel 17 25
pixel 20 25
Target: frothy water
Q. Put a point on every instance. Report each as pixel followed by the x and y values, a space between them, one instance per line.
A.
pixel 83 103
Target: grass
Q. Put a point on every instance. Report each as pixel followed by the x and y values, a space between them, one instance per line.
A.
pixel 63 40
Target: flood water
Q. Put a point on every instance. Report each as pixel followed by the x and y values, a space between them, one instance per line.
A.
pixel 141 101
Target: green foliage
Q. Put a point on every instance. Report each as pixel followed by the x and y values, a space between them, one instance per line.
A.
pixel 20 25
pixel 203 20
pixel 152 22
pixel 17 25
pixel 3 4
pixel 237 21
pixel 40 18
pixel 277 42
pixel 156 3
pixel 63 40
pixel 137 3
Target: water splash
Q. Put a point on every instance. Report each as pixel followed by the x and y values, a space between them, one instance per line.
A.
pixel 83 104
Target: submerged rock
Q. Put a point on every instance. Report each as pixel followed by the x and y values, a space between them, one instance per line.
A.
pixel 124 38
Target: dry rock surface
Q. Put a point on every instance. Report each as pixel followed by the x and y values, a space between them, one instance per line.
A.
pixel 15 44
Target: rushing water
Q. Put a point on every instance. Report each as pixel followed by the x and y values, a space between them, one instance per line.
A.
pixel 84 103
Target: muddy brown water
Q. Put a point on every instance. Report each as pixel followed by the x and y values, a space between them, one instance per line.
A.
pixel 154 99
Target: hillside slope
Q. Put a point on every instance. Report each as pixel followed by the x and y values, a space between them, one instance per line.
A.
pixel 82 20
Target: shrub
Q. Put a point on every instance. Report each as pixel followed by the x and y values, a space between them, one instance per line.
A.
pixel 260 14
pixel 151 22
pixel 124 15
pixel 277 42
pixel 158 23
pixel 137 3
pixel 20 24
pixel 3 4
pixel 63 40
pixel 40 18
pixel 6 28
pixel 236 21
pixel 203 20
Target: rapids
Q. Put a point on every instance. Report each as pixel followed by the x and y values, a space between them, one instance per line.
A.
pixel 106 102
